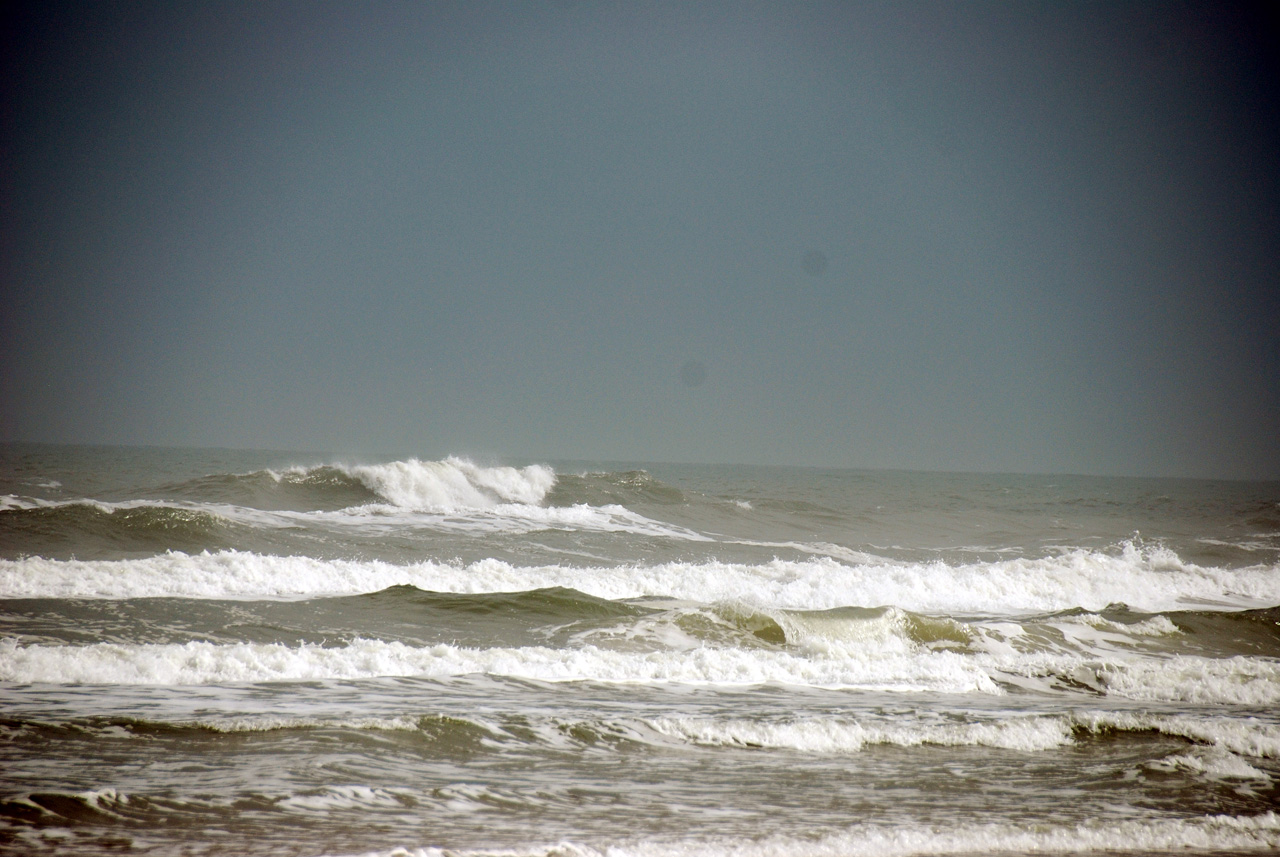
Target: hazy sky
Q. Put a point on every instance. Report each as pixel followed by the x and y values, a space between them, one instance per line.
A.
pixel 964 236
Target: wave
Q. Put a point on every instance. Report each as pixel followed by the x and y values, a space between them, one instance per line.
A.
pixel 1238 737
pixel 401 499
pixel 1024 733
pixel 565 617
pixel 200 663
pixel 69 528
pixel 505 519
pixel 824 632
pixel 454 483
pixel 447 485
pixel 1217 833
pixel 46 527
pixel 621 488
pixel 826 735
pixel 319 487
pixel 1237 680
pixel 839 736
pixel 401 613
pixel 1147 581
pixel 1209 833
pixel 555 604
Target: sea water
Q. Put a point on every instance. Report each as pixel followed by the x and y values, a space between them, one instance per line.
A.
pixel 229 652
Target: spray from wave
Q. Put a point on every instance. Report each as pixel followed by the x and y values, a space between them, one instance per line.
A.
pixel 449 485
pixel 453 484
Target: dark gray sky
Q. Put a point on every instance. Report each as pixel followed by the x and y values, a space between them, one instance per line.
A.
pixel 964 236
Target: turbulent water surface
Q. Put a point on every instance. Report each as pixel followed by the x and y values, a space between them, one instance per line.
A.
pixel 216 652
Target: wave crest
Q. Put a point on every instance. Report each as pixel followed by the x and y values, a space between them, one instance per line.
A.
pixel 448 485
pixel 454 484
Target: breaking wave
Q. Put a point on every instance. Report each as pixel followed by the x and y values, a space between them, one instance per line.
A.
pixel 438 486
pixel 1090 580
pixel 454 483
pixel 895 667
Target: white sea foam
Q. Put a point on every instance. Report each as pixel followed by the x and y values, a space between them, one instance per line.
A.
pixel 224 511
pixel 1260 542
pixel 13 501
pixel 1250 681
pixel 198 663
pixel 1024 586
pixel 455 483
pixel 449 495
pixel 1210 763
pixel 508 518
pixel 829 735
pixel 1075 635
pixel 274 723
pixel 1156 626
pixel 1221 745
pixel 452 484
pixel 225 574
pixel 1203 833
pixel 387 519
pixel 1238 680
pixel 331 798
pixel 1221 739
pixel 895 667
pixel 1242 736
pixel 826 549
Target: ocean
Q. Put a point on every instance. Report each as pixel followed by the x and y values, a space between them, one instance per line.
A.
pixel 220 652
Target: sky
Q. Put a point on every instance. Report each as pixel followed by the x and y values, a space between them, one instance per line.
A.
pixel 1017 237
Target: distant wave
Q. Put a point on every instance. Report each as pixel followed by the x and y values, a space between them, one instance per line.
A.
pixel 454 483
pixel 448 485
pixel 452 495
pixel 321 487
